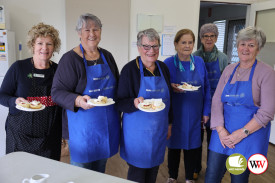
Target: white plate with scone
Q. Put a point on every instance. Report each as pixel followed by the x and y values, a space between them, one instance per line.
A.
pixel 188 87
pixel 101 101
pixel 151 105
pixel 30 107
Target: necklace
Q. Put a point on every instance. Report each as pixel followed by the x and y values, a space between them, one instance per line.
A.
pixel 242 73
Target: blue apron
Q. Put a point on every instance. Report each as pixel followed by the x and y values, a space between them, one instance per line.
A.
pixel 239 109
pixel 94 133
pixel 144 133
pixel 214 74
pixel 187 111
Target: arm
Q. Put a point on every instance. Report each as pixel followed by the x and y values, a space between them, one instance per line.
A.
pixel 67 82
pixel 265 80
pixel 128 88
pixel 217 118
pixel 9 87
pixel 207 96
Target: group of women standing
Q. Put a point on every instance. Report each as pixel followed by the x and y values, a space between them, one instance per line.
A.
pixel 88 71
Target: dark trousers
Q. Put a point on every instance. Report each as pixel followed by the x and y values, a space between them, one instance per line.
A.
pixel 216 169
pixel 142 175
pixel 199 158
pixel 174 161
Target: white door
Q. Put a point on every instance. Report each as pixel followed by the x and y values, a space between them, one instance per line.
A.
pixel 263 15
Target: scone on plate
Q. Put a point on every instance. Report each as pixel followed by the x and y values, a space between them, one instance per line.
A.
pixel 35 104
pixel 101 100
pixel 24 104
pixel 157 103
pixel 146 104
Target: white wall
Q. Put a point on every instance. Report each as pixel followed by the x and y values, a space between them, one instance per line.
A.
pixel 26 13
pixel 179 13
pixel 115 18
pixel 23 15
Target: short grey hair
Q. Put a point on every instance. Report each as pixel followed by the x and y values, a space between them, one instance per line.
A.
pixel 250 33
pixel 83 19
pixel 151 34
pixel 210 27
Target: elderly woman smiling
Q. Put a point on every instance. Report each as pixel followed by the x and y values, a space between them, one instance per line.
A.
pixel 86 72
pixel 144 133
pixel 242 108
pixel 31 79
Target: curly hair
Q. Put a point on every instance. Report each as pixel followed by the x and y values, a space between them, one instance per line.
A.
pixel 43 30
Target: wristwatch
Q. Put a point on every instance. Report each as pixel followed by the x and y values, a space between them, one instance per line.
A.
pixel 246 131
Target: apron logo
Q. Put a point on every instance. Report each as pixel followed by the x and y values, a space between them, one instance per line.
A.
pixel 95 90
pixel 236 164
pixel 257 164
pixel 158 90
pixel 102 78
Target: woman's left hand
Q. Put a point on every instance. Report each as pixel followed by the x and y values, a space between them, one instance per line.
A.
pixel 235 137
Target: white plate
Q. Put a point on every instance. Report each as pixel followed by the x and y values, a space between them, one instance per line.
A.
pixel 150 109
pixel 187 89
pixel 29 109
pixel 110 101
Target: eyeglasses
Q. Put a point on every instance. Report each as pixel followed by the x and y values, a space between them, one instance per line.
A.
pixel 148 47
pixel 207 37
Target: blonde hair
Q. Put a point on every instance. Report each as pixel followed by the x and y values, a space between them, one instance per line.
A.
pixel 43 30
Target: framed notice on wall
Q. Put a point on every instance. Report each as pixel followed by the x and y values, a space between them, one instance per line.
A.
pixel 149 21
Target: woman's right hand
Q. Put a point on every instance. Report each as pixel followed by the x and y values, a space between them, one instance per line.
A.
pixel 137 101
pixel 175 88
pixel 223 133
pixel 20 99
pixel 81 101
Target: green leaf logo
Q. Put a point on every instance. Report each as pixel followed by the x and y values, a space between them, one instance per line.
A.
pixel 29 75
pixel 236 164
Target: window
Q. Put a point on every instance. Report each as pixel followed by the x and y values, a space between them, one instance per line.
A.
pixel 234 26
pixel 221 28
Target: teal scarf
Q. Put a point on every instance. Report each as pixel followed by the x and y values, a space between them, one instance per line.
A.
pixel 208 56
pixel 179 65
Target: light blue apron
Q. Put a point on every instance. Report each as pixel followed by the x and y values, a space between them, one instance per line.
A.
pixel 214 74
pixel 94 133
pixel 187 111
pixel 144 133
pixel 239 109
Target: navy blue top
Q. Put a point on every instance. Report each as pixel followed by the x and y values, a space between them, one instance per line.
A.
pixel 18 82
pixel 129 84
pixel 70 81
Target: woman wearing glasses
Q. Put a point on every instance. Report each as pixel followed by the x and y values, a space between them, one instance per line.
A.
pixel 215 62
pixel 189 107
pixel 144 134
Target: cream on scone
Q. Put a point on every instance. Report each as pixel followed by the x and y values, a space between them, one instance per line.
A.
pixel 35 104
pixel 101 100
pixel 157 103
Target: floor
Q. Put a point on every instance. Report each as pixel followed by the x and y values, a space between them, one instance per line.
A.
pixel 118 167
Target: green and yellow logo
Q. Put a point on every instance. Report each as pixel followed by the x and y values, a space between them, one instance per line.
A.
pixel 236 164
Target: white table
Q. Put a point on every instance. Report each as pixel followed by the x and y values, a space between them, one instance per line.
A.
pixel 16 166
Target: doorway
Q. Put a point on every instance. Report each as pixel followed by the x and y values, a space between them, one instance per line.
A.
pixel 229 18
